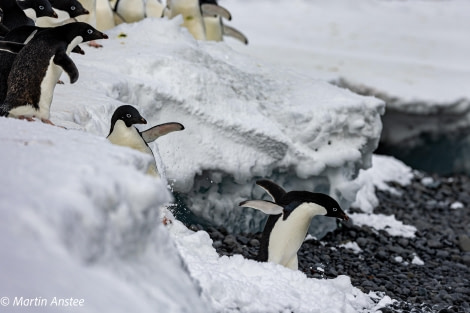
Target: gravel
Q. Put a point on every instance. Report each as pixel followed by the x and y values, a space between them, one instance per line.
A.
pixel 427 273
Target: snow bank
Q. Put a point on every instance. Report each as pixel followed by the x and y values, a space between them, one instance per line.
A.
pixel 411 54
pixel 244 121
pixel 235 284
pixel 384 169
pixel 80 219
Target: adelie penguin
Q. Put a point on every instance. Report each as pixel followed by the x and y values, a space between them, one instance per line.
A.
pixel 214 26
pixel 38 66
pixel 290 216
pixel 124 133
pixel 24 12
pixel 67 10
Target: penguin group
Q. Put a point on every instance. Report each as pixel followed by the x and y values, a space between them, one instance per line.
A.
pixel 36 39
pixel 32 58
pixel 204 19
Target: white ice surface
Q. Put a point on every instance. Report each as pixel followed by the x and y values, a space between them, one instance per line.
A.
pixel 243 120
pixel 235 284
pixel 352 246
pixel 415 50
pixel 384 169
pixel 386 222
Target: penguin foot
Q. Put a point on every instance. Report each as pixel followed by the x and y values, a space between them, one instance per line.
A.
pixel 94 44
pixel 28 118
pixel 47 121
pixel 166 221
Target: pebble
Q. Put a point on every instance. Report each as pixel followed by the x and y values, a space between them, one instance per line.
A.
pixel 441 284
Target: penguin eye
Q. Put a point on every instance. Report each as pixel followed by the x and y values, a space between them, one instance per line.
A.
pixel 335 209
pixel 72 8
pixel 128 115
pixel 41 7
pixel 89 31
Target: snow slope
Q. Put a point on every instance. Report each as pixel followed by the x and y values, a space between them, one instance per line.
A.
pixel 244 120
pixel 83 221
pixel 411 54
pixel 80 219
pixel 414 50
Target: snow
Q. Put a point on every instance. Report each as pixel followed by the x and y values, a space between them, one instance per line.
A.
pixel 456 205
pixel 386 222
pixel 352 246
pixel 250 286
pixel 243 120
pixel 417 261
pixel 385 169
pixel 79 218
pixel 414 50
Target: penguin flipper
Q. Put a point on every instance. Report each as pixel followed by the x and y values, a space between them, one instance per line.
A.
pixel 65 62
pixel 267 207
pixel 275 191
pixel 232 32
pixel 11 47
pixel 209 9
pixel 153 133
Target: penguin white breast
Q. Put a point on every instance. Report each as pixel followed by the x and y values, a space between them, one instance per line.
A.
pixel 128 137
pixel 213 28
pixel 288 235
pixel 131 10
pixel 192 18
pixel 75 42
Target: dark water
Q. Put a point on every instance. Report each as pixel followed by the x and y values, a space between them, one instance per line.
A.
pixel 443 155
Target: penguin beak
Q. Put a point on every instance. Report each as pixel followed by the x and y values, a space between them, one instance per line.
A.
pixel 142 121
pixel 54 15
pixel 345 217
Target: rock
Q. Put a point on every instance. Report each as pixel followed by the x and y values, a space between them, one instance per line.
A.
pixel 464 243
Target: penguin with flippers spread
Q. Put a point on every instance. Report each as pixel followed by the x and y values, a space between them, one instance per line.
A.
pixel 38 66
pixel 290 214
pixel 124 133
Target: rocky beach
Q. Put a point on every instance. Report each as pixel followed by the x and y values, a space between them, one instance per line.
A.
pixel 429 272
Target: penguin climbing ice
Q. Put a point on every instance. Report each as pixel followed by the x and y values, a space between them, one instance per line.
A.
pixel 38 66
pixel 124 133
pixel 290 216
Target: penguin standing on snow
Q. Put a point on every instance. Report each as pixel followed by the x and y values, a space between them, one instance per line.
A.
pixel 214 25
pixel 290 216
pixel 124 133
pixel 38 66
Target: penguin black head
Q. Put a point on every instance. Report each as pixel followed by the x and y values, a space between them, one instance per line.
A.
pixel 332 207
pixel 287 202
pixel 84 30
pixel 41 7
pixel 128 114
pixel 72 7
